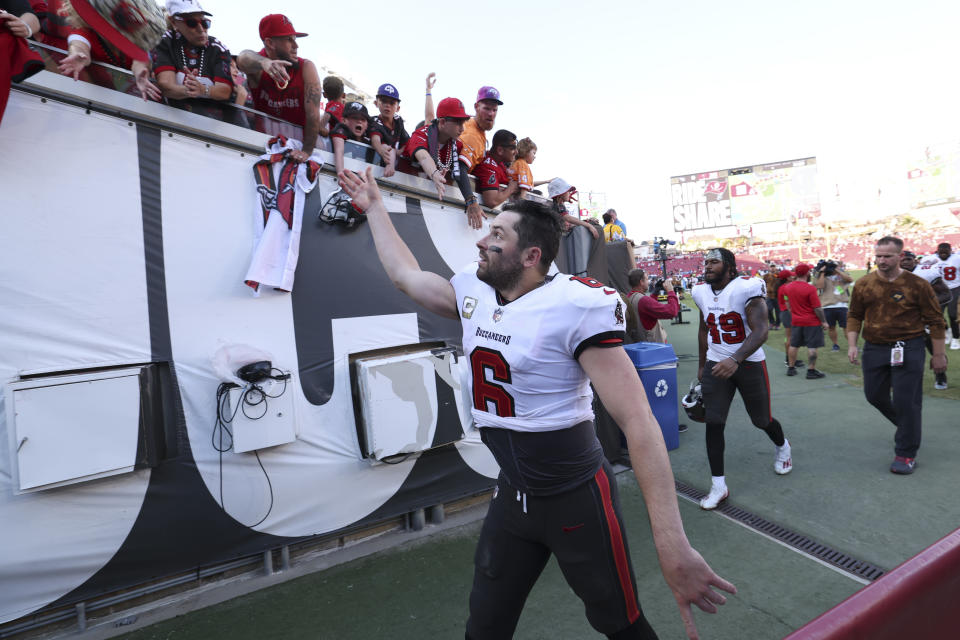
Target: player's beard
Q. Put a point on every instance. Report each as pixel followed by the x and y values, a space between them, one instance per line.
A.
pixel 503 276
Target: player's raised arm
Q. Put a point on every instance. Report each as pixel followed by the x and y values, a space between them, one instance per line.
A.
pixel 688 575
pixel 427 288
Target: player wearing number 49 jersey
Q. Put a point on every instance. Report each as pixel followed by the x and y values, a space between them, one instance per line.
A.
pixel 532 344
pixel 949 265
pixel 733 328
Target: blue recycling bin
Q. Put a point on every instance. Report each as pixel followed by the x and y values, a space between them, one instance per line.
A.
pixel 657 365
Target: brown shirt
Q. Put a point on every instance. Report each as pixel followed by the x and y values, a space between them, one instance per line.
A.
pixel 772 282
pixel 892 311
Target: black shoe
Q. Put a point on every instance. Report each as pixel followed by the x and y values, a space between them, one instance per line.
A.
pixel 799 364
pixel 682 428
pixel 791 371
pixel 813 374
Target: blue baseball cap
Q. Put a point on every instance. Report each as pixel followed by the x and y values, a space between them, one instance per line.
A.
pixel 389 91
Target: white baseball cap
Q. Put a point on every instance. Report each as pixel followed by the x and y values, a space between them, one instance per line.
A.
pixel 559 186
pixel 176 7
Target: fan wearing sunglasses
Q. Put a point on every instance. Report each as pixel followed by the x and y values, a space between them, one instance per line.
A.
pixel 192 67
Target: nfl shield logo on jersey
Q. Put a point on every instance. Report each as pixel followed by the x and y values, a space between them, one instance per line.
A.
pixel 497 314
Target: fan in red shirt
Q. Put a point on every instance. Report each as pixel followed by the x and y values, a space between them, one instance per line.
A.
pixel 807 319
pixel 283 85
pixel 495 182
pixel 435 150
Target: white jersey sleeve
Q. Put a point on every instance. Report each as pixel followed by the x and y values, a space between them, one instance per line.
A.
pixel 725 315
pixel 930 273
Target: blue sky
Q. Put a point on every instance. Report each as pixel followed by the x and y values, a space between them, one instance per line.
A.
pixel 619 96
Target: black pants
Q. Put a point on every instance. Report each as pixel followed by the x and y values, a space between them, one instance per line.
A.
pixel 773 312
pixel 906 384
pixel 583 528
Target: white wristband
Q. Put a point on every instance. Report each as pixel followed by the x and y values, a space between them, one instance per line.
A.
pixel 29 29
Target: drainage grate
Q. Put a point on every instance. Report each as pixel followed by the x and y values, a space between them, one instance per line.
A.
pixel 800 542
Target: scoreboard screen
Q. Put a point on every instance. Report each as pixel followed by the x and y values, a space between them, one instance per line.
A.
pixel 777 191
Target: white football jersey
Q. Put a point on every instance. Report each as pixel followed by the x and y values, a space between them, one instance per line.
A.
pixel 949 270
pixel 523 369
pixel 726 316
pixel 928 272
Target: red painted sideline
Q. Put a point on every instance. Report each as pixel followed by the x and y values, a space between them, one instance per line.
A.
pixel 918 599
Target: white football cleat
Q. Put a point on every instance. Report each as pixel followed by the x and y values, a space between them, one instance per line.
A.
pixel 954 344
pixel 718 493
pixel 783 463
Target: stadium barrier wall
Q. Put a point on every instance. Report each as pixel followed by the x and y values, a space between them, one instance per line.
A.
pixel 918 599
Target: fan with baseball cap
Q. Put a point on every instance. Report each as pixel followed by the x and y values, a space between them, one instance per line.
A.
pixel 387 132
pixel 474 135
pixel 183 7
pixel 277 25
pixel 435 149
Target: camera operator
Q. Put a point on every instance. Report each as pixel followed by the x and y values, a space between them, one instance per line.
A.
pixel 644 312
pixel 833 287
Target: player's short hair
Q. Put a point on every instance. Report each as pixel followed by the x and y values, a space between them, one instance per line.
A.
pixel 728 259
pixel 524 147
pixel 332 88
pixel 503 138
pixel 636 276
pixel 897 242
pixel 538 226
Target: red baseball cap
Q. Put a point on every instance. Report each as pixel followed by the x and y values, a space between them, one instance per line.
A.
pixel 785 274
pixel 451 108
pixel 277 25
pixel 802 269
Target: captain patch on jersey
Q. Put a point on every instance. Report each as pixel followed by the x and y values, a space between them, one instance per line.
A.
pixel 724 312
pixel 523 371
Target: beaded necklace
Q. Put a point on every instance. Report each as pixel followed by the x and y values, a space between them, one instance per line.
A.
pixel 445 166
pixel 183 57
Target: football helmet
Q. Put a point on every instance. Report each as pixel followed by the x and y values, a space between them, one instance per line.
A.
pixel 693 403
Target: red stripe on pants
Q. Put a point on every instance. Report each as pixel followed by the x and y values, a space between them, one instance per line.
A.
pixel 616 543
pixel 766 381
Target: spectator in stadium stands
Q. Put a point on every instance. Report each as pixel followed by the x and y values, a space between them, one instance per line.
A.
pixel 562 192
pixel 356 120
pixel 283 85
pixel 19 19
pixel 611 231
pixel 387 133
pixel 495 183
pixel 192 67
pixel 617 221
pixel 429 114
pixel 435 149
pixel 832 283
pixel 474 136
pixel 772 281
pixel 644 312
pixel 241 94
pixel 526 154
pixel 806 319
pixel 892 307
pixel 786 276
pixel 64 28
pixel 333 111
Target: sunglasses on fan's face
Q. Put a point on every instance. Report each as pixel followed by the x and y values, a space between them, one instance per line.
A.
pixel 193 23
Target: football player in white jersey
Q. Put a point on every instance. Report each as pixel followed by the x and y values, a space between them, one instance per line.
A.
pixel 949 264
pixel 534 343
pixel 930 273
pixel 733 328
